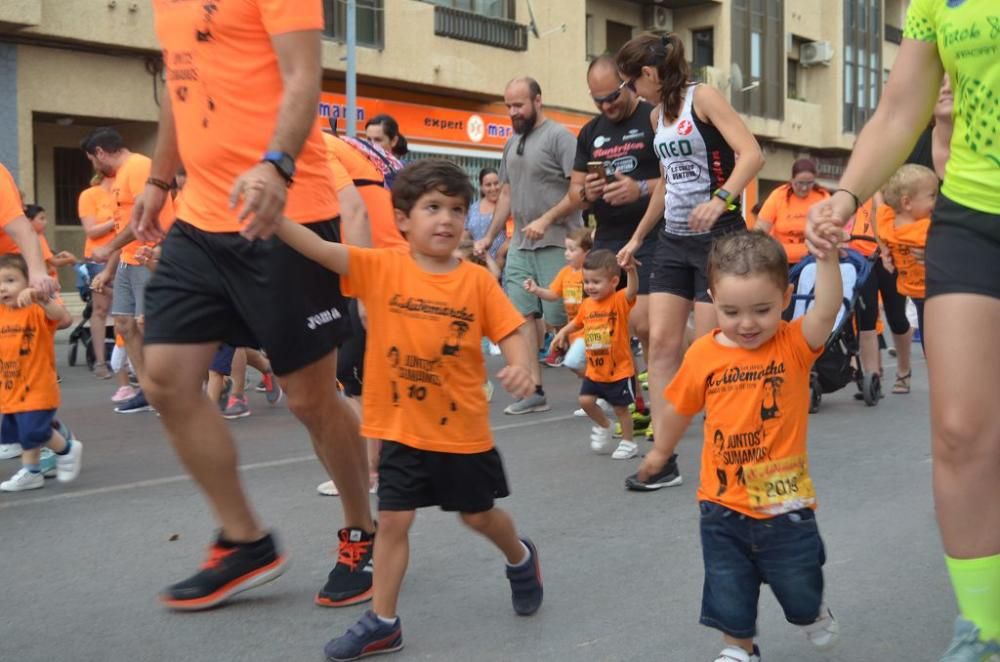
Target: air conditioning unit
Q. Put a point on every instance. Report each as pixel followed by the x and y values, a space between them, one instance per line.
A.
pixel 657 19
pixel 713 76
pixel 815 52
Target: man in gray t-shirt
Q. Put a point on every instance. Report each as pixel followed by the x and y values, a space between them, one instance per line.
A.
pixel 534 177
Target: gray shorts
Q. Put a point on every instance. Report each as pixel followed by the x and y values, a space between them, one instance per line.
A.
pixel 542 265
pixel 130 289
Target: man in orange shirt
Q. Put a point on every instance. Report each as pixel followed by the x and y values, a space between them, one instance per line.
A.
pixel 222 277
pixel 18 235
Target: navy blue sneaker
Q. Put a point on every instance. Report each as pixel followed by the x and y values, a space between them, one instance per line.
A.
pixel 369 636
pixel 135 405
pixel 526 583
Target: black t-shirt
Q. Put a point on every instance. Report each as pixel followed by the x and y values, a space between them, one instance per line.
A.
pixel 922 153
pixel 628 145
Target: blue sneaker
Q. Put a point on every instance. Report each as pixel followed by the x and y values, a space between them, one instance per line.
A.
pixel 369 636
pixel 47 463
pixel 135 405
pixel 526 583
pixel 968 647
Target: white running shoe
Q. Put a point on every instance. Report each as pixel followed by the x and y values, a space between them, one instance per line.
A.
pixel 737 654
pixel 10 451
pixel 68 465
pixel 23 480
pixel 600 440
pixel 579 413
pixel 328 489
pixel 823 634
pixel 626 450
pixel 602 403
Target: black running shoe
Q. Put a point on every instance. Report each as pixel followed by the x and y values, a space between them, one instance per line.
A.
pixel 526 583
pixel 670 476
pixel 230 568
pixel 350 581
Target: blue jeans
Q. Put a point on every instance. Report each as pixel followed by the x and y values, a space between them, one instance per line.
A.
pixel 741 553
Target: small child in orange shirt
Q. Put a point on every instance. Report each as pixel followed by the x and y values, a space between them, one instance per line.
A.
pixel 603 320
pixel 36 214
pixel 911 193
pixel 29 393
pixel 568 286
pixel 427 312
pixel 751 377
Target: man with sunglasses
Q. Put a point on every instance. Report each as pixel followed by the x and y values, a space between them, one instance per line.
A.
pixel 534 177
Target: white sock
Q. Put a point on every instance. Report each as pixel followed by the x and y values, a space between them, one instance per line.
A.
pixel 524 559
pixel 387 621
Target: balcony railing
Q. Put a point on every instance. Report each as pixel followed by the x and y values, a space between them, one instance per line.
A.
pixel 479 29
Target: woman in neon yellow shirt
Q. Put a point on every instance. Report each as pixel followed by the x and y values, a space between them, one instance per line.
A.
pixel 962 38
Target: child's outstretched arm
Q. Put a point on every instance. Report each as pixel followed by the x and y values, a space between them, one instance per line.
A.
pixel 561 339
pixel 515 377
pixel 663 447
pixel 819 320
pixel 54 310
pixel 492 265
pixel 631 279
pixel 331 255
pixel 542 293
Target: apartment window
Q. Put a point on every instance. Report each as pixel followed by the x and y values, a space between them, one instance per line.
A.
pixel 793 80
pixel 758 52
pixel 72 172
pixel 862 61
pixel 617 35
pixel 491 8
pixel 591 47
pixel 370 27
pixel 704 48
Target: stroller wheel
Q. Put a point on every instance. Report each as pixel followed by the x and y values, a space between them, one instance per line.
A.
pixel 815 394
pixel 871 389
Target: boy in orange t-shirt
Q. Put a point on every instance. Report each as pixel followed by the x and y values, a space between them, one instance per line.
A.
pixel 427 312
pixel 751 377
pixel 603 319
pixel 29 393
pixel 911 193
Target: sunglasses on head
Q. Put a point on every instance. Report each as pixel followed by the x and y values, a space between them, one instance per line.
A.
pixel 611 98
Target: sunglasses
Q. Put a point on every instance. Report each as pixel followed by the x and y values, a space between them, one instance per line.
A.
pixel 611 98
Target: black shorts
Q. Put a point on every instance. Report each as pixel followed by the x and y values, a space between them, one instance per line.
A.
pixel 409 478
pixel 644 256
pixel 219 287
pixel 351 357
pixel 617 394
pixel 960 259
pixel 681 264
pixel 882 281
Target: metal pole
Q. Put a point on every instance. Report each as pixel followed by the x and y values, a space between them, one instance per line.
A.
pixel 352 68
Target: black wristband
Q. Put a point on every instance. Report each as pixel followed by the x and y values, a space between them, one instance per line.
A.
pixel 857 201
pixel 158 183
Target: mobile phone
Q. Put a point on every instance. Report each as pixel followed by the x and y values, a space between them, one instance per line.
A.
pixel 602 169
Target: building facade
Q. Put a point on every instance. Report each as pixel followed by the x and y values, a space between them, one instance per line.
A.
pixel 805 74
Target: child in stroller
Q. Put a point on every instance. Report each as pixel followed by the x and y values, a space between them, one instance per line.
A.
pixel 81 332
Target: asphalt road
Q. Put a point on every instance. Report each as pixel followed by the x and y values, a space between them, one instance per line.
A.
pixel 81 563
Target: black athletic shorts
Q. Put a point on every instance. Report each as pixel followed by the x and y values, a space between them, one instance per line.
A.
pixel 881 281
pixel 960 258
pixel 618 394
pixel 644 256
pixel 681 263
pixel 410 478
pixel 351 357
pixel 219 287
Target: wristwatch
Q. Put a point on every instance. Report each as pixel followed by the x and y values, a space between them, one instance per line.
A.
pixel 283 163
pixel 724 195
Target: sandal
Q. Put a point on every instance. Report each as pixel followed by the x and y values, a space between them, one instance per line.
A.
pixel 902 384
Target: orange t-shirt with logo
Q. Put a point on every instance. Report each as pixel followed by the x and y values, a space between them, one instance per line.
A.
pixel 98 203
pixel 27 353
pixel 225 90
pixel 863 227
pixel 606 336
pixel 568 284
pixel 10 208
pixel 349 166
pixel 787 214
pixel 754 458
pixel 907 244
pixel 424 368
pixel 130 182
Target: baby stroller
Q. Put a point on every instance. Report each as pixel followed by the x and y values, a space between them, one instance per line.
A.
pixel 840 363
pixel 81 332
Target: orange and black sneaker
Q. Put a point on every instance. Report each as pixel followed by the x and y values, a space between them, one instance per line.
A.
pixel 230 568
pixel 350 581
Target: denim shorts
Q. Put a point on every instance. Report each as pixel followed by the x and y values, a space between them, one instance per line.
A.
pixel 741 553
pixel 129 290
pixel 30 429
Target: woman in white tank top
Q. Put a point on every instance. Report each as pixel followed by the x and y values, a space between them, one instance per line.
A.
pixel 698 138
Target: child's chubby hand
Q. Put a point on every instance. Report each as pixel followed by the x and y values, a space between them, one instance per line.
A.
pixel 26 297
pixel 530 285
pixel 630 263
pixel 560 341
pixel 652 464
pixel 516 380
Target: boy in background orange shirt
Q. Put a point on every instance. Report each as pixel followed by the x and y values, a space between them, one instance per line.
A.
pixel 427 311
pixel 751 377
pixel 603 318
pixel 911 193
pixel 29 394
